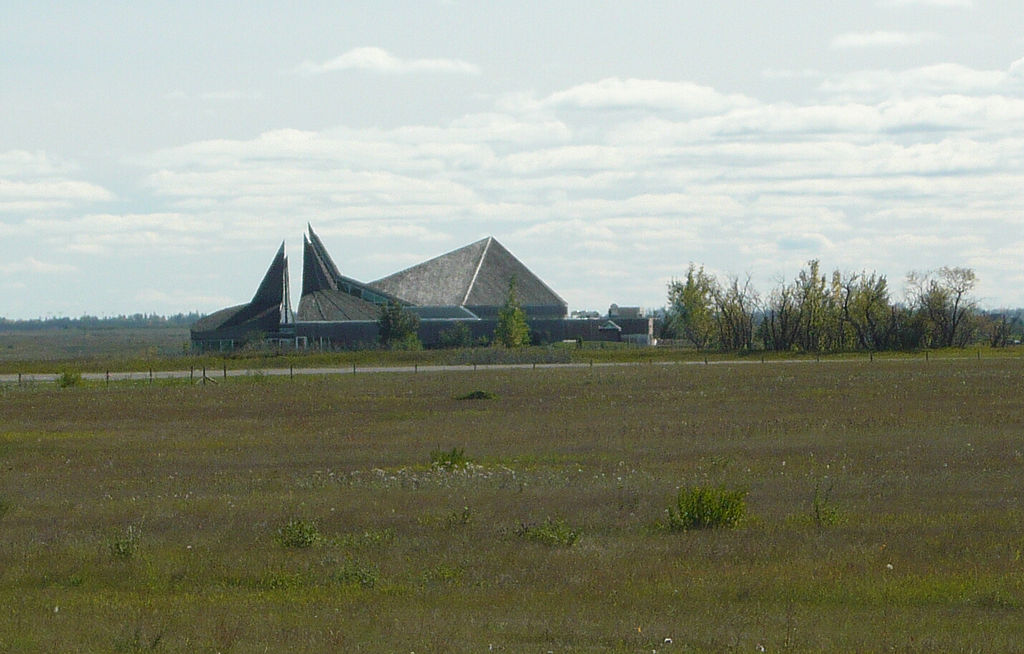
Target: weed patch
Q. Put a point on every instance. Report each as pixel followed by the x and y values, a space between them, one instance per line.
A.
pixel 69 378
pixel 449 460
pixel 354 573
pixel 297 533
pixel 706 507
pixel 125 546
pixel 554 533
pixel 823 510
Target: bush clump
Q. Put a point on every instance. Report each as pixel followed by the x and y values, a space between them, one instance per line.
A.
pixel 124 547
pixel 69 378
pixel 477 395
pixel 298 533
pixel 554 533
pixel 707 507
pixel 449 460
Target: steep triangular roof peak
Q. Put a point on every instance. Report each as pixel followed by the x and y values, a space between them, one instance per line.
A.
pixel 319 273
pixel 272 294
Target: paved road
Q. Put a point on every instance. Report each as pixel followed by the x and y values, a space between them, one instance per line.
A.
pixel 219 373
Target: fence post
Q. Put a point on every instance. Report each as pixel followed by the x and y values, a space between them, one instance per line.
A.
pixel 204 375
pixel 108 378
pixel 225 370
pixel 353 368
pixel 19 379
pixel 150 375
pixel 191 374
pixel 291 371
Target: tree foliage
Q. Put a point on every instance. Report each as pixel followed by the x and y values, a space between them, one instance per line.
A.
pixel 818 312
pixel 691 307
pixel 397 328
pixel 512 329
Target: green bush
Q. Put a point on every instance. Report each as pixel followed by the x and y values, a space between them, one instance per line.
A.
pixel 125 546
pixel 449 460
pixel 354 573
pixel 552 533
pixel 69 378
pixel 299 534
pixel 459 518
pixel 823 510
pixel 706 507
pixel 477 395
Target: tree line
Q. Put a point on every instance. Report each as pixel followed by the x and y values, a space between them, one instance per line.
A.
pixel 818 313
pixel 137 320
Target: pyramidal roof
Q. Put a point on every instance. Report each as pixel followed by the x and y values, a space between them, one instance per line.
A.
pixel 475 275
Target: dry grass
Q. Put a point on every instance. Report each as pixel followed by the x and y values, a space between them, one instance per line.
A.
pixel 924 463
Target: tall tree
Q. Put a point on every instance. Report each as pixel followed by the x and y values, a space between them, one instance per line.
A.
pixel 735 304
pixel 944 300
pixel 397 328
pixel 866 308
pixel 692 307
pixel 512 329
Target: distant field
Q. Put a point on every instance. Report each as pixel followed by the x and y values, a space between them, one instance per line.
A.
pixel 79 344
pixel 884 511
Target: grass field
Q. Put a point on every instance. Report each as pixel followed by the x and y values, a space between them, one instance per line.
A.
pixel 339 513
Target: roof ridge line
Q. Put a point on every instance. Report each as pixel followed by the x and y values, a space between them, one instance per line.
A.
pixel 479 265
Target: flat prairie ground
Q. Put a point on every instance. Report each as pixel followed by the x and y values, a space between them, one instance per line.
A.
pixel 272 514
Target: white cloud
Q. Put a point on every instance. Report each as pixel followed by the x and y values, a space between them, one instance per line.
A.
pixel 684 172
pixel 616 93
pixel 35 266
pixel 937 79
pixel 965 4
pixel 880 38
pixel 22 196
pixel 378 60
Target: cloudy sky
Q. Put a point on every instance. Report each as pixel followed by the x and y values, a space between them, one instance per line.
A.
pixel 154 155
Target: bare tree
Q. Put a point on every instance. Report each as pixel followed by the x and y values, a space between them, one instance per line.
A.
pixel 944 299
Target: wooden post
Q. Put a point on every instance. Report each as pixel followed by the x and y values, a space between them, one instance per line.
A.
pixel 150 375
pixel 108 378
pixel 225 370
pixel 291 371
pixel 204 375
pixel 191 374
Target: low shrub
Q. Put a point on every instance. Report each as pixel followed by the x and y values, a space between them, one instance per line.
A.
pixel 69 378
pixel 553 533
pixel 823 510
pixel 449 460
pixel 477 395
pixel 706 507
pixel 124 547
pixel 298 533
pixel 354 573
pixel 459 518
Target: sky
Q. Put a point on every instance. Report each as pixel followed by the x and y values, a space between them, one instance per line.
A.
pixel 153 156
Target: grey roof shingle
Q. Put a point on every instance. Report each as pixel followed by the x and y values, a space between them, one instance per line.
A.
pixel 477 274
